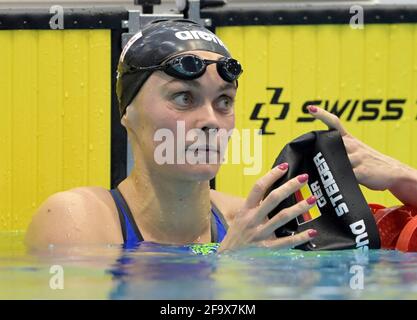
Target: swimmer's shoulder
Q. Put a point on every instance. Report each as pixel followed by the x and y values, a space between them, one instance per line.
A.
pixel 228 204
pixel 84 215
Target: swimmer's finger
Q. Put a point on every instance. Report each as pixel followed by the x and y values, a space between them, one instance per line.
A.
pixel 359 174
pixel 263 184
pixel 355 159
pixel 291 241
pixel 331 120
pixel 351 144
pixel 279 194
pixel 285 216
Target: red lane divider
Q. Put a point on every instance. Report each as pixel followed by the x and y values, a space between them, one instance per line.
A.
pixel 397 227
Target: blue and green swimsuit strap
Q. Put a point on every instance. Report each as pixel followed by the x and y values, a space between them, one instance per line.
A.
pixel 132 236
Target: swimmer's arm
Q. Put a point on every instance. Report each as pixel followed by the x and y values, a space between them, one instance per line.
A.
pixel 404 185
pixel 57 221
pixel 373 169
pixel 67 218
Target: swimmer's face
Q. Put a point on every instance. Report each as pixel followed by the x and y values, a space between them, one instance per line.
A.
pixel 165 104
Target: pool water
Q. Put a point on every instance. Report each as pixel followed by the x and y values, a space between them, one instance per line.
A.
pixel 167 272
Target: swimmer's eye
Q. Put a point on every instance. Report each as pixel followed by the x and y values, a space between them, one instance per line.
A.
pixel 183 99
pixel 225 103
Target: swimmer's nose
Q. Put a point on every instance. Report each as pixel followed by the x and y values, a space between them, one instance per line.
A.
pixel 207 119
pixel 208 130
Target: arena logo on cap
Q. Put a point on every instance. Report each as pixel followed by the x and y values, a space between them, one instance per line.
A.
pixel 197 35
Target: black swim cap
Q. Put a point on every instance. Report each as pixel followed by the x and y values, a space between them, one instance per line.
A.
pixel 158 41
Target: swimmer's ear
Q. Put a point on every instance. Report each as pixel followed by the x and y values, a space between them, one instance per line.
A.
pixel 127 122
pixel 123 120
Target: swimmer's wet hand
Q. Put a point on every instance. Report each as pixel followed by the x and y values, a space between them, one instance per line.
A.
pixel 251 225
pixel 373 169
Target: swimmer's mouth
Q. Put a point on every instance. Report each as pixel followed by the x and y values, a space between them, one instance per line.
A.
pixel 206 148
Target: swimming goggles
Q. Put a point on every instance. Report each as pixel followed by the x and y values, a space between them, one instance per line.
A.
pixel 188 67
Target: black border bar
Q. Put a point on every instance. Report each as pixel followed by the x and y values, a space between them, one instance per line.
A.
pixel 74 18
pixel 308 13
pixel 118 132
